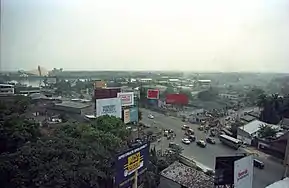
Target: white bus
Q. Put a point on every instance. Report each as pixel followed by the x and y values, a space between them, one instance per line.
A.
pixel 6 89
pixel 230 141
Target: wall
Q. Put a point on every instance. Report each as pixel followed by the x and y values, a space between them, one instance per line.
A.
pixel 166 183
pixel 244 136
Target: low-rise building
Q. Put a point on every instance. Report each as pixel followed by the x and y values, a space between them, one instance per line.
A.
pixel 6 89
pixel 73 107
pixel 178 175
pixel 250 130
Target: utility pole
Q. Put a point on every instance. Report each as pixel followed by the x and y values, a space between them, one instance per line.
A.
pixel 286 159
pixel 135 179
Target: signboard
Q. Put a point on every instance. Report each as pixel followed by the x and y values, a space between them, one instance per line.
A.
pixel 224 170
pixel 131 161
pixel 127 99
pixel 243 172
pixel 179 99
pixel 111 107
pixel 153 94
pixel 126 116
pixel 133 114
pixel 105 93
pixel 99 84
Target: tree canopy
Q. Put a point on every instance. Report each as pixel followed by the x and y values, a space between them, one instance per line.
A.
pixel 266 131
pixel 75 155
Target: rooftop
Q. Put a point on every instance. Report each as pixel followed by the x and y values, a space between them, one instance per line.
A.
pixel 187 176
pixel 254 126
pixel 72 104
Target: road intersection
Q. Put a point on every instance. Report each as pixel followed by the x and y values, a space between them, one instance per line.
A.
pixel 272 172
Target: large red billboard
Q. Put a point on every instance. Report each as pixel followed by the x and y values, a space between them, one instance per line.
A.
pixel 179 99
pixel 153 94
pixel 104 93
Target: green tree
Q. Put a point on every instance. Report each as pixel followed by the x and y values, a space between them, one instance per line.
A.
pixel 16 131
pixel 76 155
pixel 208 95
pixel 267 131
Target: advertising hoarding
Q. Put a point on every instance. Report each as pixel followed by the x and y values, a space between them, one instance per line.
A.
pixel 105 93
pixel 224 170
pixel 243 172
pixel 127 163
pixel 99 84
pixel 153 94
pixel 126 116
pixel 111 107
pixel 178 99
pixel 133 114
pixel 127 99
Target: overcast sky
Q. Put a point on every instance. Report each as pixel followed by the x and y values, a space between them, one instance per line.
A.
pixel 195 35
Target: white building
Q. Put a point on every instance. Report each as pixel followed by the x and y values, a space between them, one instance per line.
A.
pixel 6 89
pixel 247 132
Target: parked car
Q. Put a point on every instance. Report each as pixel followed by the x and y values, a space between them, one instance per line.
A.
pixel 150 116
pixel 201 143
pixel 192 138
pixel 185 127
pixel 211 140
pixel 259 164
pixel 186 141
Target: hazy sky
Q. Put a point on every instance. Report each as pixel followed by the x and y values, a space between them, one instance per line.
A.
pixel 196 35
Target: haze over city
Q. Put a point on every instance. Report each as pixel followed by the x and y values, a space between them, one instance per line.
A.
pixel 187 35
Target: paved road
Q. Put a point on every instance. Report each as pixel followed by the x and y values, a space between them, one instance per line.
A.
pixel 272 172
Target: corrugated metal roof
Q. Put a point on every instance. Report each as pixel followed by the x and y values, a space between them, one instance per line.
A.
pixel 254 126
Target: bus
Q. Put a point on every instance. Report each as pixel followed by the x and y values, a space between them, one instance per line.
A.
pixel 230 141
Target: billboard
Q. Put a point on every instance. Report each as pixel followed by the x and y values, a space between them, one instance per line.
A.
pixel 133 114
pixel 224 170
pixel 127 99
pixel 243 172
pixel 105 93
pixel 153 94
pixel 179 99
pixel 99 84
pixel 111 107
pixel 126 116
pixel 127 163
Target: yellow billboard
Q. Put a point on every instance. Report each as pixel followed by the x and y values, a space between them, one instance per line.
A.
pixel 99 84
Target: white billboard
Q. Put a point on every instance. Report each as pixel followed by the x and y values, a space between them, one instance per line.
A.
pixel 111 107
pixel 127 98
pixel 243 172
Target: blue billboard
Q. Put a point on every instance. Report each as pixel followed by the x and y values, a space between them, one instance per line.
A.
pixel 129 162
pixel 133 114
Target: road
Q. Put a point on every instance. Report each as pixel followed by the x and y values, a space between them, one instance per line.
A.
pixel 272 172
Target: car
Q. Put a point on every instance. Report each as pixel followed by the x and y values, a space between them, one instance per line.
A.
pixel 201 128
pixel 192 138
pixel 201 143
pixel 185 127
pixel 186 141
pixel 259 164
pixel 211 140
pixel 150 116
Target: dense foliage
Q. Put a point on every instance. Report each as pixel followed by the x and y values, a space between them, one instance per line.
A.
pixel 75 155
pixel 208 95
pixel 274 108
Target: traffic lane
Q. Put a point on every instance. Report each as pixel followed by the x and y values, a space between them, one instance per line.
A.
pixel 272 172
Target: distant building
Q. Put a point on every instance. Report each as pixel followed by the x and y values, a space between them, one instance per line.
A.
pixel 204 83
pixel 6 89
pixel 73 107
pixel 145 80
